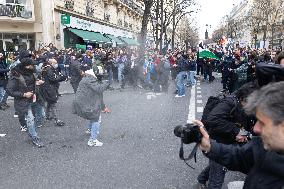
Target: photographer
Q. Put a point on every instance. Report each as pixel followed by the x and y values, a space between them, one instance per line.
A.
pixel 226 123
pixel 262 159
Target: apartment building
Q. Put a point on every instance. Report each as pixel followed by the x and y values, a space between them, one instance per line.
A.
pixel 34 23
pixel 19 24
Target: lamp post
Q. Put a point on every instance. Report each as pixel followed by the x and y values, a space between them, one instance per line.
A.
pixel 206 32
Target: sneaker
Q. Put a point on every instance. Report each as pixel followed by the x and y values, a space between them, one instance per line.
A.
pixel 24 128
pixel 88 131
pixel 59 123
pixel 37 142
pixel 39 126
pixel 106 110
pixel 183 95
pixel 92 142
pixel 178 96
pixel 16 116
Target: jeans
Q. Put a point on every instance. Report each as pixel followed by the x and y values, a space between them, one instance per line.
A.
pixel 110 76
pixel 120 72
pixel 65 71
pixel 30 122
pixel 94 126
pixel 3 96
pixel 51 111
pixel 190 78
pixel 214 174
pixel 39 114
pixel 180 83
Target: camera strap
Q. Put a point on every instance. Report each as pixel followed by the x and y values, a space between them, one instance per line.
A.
pixel 191 155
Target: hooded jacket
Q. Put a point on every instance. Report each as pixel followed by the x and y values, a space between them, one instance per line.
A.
pixel 88 101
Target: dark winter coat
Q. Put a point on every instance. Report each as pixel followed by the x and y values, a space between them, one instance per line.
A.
pixel 192 65
pixel 51 78
pixel 264 169
pixel 75 71
pixel 88 101
pixel 3 73
pixel 225 120
pixel 87 63
pixel 182 64
pixel 18 84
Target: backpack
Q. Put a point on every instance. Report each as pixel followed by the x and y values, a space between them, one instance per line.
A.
pixel 212 103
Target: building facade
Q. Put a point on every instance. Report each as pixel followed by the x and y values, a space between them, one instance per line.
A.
pixel 32 24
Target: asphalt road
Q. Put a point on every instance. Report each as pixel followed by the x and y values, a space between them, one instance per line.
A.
pixel 139 151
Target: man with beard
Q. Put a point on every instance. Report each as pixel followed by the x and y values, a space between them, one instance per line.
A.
pixel 22 86
pixel 50 88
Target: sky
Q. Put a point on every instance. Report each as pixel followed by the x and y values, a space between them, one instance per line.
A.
pixel 211 13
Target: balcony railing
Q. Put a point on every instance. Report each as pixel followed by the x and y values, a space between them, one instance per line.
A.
pixel 133 6
pixel 13 10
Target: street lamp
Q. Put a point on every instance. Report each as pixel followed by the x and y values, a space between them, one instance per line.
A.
pixel 206 32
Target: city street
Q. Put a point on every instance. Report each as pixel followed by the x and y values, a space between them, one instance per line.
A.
pixel 139 151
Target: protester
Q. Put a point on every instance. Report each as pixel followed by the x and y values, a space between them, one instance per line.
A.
pixel 3 82
pixel 52 78
pixel 21 86
pixel 76 72
pixel 88 104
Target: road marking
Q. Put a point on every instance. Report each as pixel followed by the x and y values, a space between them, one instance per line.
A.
pixel 236 185
pixel 199 96
pixel 198 92
pixel 198 88
pixel 2 135
pixel 198 84
pixel 199 101
pixel 191 113
pixel 199 110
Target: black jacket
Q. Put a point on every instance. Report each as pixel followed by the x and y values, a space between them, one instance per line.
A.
pixel 75 71
pixel 264 169
pixel 182 64
pixel 50 87
pixel 18 84
pixel 225 120
pixel 3 73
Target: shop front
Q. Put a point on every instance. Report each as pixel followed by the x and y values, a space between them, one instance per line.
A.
pixel 77 31
pixel 10 42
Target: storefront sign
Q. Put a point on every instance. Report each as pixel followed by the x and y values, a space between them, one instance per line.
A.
pixel 79 46
pixel 65 19
pixel 92 26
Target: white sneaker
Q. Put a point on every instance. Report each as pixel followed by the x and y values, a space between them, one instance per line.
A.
pixel 88 131
pixel 94 143
pixel 178 96
pixel 16 116
pixel 24 129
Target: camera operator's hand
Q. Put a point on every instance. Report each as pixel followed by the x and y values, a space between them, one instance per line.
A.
pixel 205 141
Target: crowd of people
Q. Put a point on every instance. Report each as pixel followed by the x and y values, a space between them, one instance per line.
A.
pixel 33 79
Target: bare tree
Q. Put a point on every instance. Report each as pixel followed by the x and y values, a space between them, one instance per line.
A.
pixel 264 14
pixel 148 5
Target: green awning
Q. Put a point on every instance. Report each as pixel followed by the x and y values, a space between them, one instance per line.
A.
pixel 129 41
pixel 90 36
pixel 115 39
